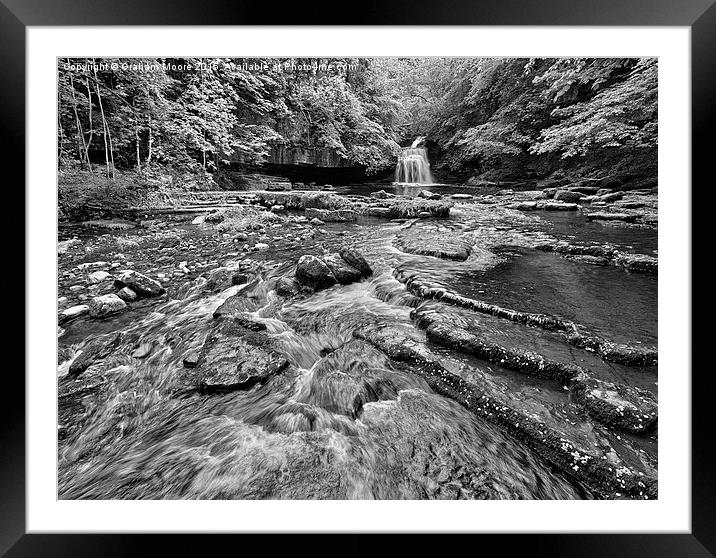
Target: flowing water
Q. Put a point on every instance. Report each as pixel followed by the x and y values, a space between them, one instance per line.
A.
pixel 343 421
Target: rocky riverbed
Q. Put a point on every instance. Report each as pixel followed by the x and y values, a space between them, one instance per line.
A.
pixel 369 342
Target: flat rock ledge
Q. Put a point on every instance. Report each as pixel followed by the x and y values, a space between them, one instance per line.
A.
pixel 583 465
pixel 604 255
pixel 619 406
pixel 446 245
pixel 627 355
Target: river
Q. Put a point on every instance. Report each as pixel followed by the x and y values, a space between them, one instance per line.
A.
pixel 345 421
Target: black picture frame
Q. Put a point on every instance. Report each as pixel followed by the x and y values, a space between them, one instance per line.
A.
pixel 699 15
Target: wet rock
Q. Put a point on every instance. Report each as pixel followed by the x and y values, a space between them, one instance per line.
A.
pixel 106 305
pixel 198 220
pixel 77 401
pixel 139 283
pixel 314 273
pixel 73 312
pixel 446 245
pixel 287 286
pixel 342 271
pixel 622 407
pixel 239 278
pixel 582 189
pixel 526 362
pixel 607 216
pixel 94 351
pixel 524 206
pixel 640 263
pixel 620 353
pixel 127 294
pixel 603 191
pixel 560 206
pixel 461 196
pixel 277 209
pixel 236 305
pixel 428 195
pixel 580 463
pixel 569 196
pixel 355 259
pixel 92 265
pixel 612 196
pixel 191 360
pixel 316 222
pixel 381 195
pixel 594 250
pixel 260 246
pixel 331 215
pixel 143 351
pixel 66 245
pixel 249 322
pixel 234 358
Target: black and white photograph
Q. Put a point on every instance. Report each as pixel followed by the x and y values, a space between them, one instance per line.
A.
pixel 387 278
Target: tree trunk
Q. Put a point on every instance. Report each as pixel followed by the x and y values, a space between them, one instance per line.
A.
pixel 81 147
pixel 107 135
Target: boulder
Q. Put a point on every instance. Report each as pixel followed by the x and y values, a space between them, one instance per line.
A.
pixel 106 305
pixel 127 294
pixel 342 271
pixel 428 195
pixel 355 259
pixel 97 277
pixel 568 196
pixel 313 272
pixel 287 286
pixel 141 284
pixel 73 312
pixel 234 358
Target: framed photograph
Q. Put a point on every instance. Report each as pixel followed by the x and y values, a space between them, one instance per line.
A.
pixel 427 276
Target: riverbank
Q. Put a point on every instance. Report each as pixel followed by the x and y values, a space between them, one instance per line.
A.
pixel 367 342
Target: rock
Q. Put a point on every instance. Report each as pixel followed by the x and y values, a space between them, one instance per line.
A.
pixel 568 196
pixel 577 460
pixel 606 216
pixel 331 215
pixel 461 196
pixel 191 360
pixel 277 209
pixel 316 222
pixel 428 195
pixel 523 206
pixel 141 284
pixel 342 271
pixel 381 195
pixel 587 190
pixel 560 206
pixel 234 358
pixel 610 197
pixel 92 265
pixel 445 245
pixel 287 286
pixel 640 263
pixel 73 312
pixel 622 407
pixel 198 220
pixel 106 305
pixel 65 245
pixel 603 191
pixel 143 351
pixel 249 322
pixel 313 272
pixel 355 259
pixel 94 351
pixel 239 279
pixel 260 246
pixel 236 305
pixel 97 277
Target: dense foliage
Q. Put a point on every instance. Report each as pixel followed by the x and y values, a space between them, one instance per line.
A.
pixel 197 114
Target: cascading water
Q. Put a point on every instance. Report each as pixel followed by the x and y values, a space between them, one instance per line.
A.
pixel 413 166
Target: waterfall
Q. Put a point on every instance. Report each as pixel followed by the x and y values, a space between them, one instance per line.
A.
pixel 413 166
